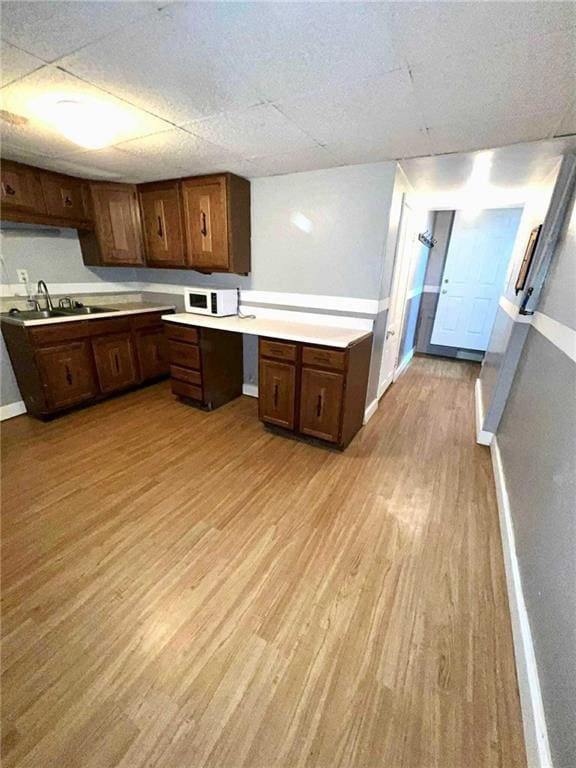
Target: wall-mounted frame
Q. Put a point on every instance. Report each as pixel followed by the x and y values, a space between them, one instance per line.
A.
pixel 527 260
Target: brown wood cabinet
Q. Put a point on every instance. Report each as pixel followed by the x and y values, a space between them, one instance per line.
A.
pixel 163 224
pixel 314 390
pixel 65 196
pixel 117 237
pixel 115 362
pixel 67 374
pixel 205 364
pixel 217 223
pixel 151 351
pixel 21 189
pixel 59 365
pixel 200 223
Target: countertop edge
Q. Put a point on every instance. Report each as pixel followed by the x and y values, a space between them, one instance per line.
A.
pixel 95 316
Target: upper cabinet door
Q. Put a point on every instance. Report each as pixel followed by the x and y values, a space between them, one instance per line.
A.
pixel 162 223
pixel 117 224
pixel 65 196
pixel 21 188
pixel 206 223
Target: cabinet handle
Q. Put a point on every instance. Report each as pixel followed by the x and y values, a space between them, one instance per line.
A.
pixel 68 375
pixel 320 405
pixel 67 201
pixel 203 228
pixel 160 230
pixel 275 396
pixel 9 190
pixel 117 362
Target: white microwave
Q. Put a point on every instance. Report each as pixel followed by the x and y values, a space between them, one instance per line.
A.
pixel 212 301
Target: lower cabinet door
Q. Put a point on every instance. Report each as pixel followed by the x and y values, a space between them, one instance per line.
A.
pixel 276 393
pixel 152 353
pixel 67 374
pixel 321 404
pixel 115 362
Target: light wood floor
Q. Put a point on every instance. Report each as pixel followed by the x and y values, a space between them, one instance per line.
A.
pixel 187 590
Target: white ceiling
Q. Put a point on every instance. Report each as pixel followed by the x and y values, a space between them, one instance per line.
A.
pixel 266 88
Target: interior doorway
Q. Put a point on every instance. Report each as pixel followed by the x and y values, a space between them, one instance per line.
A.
pixel 397 306
pixel 475 268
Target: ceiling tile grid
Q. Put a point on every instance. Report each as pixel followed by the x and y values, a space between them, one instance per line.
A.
pixel 269 88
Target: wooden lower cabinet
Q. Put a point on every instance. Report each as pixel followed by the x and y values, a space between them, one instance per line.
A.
pixel 316 391
pixel 151 351
pixel 277 393
pixel 115 362
pixel 60 365
pixel 67 374
pixel 321 399
pixel 205 364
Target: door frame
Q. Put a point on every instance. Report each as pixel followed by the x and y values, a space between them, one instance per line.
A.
pixel 403 268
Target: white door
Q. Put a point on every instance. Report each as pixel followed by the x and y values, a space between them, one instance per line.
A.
pixel 394 321
pixel 473 279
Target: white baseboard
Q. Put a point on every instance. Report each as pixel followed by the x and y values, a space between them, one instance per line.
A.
pixel 404 364
pixel 370 411
pixel 482 436
pixel 250 389
pixel 11 410
pixel 535 732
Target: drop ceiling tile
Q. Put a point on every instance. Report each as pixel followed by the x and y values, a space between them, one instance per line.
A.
pixel 408 143
pixel 258 131
pixel 192 155
pixel 375 108
pixel 15 63
pixel 489 132
pixel 567 124
pixel 171 64
pixel 520 78
pixel 285 49
pixel 426 32
pixel 50 30
pixel 41 137
pixel 295 162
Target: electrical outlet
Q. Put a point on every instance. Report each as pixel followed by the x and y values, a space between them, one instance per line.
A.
pixel 22 275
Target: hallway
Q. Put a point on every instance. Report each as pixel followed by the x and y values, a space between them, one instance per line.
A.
pixel 181 602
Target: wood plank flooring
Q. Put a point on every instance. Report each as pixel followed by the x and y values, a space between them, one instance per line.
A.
pixel 188 590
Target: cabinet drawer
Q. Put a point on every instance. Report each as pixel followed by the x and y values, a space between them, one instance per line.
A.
pixel 48 334
pixel 108 325
pixel 183 389
pixel 187 355
pixel 181 333
pixel 147 320
pixel 279 350
pixel 325 358
pixel 184 374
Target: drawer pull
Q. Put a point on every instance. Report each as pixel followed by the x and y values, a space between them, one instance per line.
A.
pixel 67 201
pixel 9 190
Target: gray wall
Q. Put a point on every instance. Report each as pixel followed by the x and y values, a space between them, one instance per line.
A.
pixel 537 441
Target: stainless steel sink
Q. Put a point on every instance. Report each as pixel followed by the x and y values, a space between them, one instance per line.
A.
pixel 35 314
pixel 84 310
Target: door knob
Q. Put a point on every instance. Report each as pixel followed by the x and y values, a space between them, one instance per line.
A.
pixel 390 333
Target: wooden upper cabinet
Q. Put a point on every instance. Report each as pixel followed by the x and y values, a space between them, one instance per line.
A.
pixel 163 224
pixel 21 188
pixel 117 240
pixel 217 223
pixel 65 196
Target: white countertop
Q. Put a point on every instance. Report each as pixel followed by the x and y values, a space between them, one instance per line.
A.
pixel 328 335
pixel 119 310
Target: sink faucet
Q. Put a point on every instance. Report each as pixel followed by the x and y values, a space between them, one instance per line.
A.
pixel 43 289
